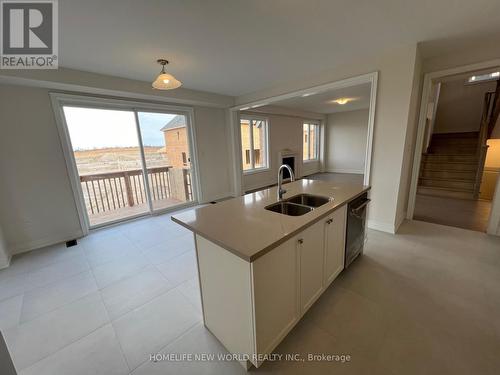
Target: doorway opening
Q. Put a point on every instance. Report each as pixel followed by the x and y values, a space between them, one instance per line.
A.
pixel 325 131
pixel 460 155
pixel 126 162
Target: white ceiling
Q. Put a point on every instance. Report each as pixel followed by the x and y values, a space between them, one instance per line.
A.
pixel 236 47
pixel 322 102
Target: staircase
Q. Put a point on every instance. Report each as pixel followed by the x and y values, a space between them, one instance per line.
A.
pixel 449 167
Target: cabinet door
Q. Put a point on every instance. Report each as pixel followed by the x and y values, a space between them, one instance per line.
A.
pixel 275 278
pixel 311 255
pixel 334 244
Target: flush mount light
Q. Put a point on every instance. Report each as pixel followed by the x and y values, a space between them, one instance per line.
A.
pixel 484 77
pixel 165 81
pixel 343 101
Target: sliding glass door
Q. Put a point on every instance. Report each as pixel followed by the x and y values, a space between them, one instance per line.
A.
pixel 167 158
pixel 129 162
pixel 107 153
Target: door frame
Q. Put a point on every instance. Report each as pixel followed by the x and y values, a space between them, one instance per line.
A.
pixel 58 100
pixel 429 79
pixel 234 117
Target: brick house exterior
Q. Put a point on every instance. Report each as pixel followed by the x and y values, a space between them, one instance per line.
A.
pixel 176 142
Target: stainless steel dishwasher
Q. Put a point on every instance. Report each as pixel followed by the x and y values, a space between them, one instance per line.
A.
pixel 355 232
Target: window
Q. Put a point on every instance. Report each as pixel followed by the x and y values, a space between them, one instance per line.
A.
pixel 254 143
pixel 184 158
pixel 310 141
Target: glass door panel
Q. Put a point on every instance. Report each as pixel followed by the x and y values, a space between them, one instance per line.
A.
pixel 107 152
pixel 165 140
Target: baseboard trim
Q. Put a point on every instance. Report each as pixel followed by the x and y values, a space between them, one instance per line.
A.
pixel 349 171
pixel 400 221
pixel 37 244
pixel 381 226
pixel 5 263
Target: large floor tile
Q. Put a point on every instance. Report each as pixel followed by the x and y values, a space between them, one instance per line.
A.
pixel 38 338
pixel 13 285
pixel 10 312
pixel 147 329
pixel 109 249
pixel 129 293
pixel 198 340
pixel 98 353
pixel 42 300
pixel 36 259
pixel 191 290
pixel 58 271
pixel 180 269
pixel 353 320
pixel 169 249
pixel 110 272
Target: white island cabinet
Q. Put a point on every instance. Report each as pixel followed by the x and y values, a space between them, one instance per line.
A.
pixel 261 270
pixel 251 306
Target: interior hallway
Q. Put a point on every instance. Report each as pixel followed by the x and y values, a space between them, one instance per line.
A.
pixel 461 213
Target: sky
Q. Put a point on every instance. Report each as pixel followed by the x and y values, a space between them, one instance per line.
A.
pixel 92 128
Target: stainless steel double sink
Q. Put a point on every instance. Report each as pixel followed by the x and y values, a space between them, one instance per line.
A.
pixel 298 205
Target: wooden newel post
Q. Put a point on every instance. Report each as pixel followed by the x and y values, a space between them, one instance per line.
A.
pixel 128 190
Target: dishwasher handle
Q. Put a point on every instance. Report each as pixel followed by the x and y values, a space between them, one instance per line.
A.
pixel 355 210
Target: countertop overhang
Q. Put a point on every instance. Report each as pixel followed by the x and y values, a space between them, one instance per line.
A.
pixel 244 227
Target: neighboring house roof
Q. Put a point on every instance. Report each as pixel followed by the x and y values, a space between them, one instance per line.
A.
pixel 178 121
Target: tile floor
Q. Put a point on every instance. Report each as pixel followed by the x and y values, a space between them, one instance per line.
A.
pixel 425 301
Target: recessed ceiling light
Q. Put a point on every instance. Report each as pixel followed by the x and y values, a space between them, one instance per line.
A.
pixel 258 105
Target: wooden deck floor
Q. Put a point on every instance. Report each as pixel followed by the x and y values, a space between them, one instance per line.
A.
pixel 125 212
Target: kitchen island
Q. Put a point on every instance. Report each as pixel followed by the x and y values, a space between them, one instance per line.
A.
pixel 261 270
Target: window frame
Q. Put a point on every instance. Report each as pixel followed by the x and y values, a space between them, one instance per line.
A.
pixel 253 169
pixel 316 141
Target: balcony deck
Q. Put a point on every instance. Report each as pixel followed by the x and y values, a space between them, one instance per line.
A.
pixel 118 195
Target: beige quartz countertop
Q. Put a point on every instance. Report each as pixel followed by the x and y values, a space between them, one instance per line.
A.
pixel 244 227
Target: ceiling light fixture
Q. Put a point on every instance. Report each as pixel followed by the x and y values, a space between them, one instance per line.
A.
pixel 165 81
pixel 343 101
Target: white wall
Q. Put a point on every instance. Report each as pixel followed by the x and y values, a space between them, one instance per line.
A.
pixel 396 80
pixel 37 203
pixel 212 135
pixel 461 106
pixel 345 141
pixel 4 252
pixel 35 195
pixel 285 132
pixel 410 140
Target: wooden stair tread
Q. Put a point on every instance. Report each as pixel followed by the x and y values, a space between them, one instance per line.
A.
pixel 446 170
pixel 431 154
pixel 447 189
pixel 448 179
pixel 456 135
pixel 450 162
